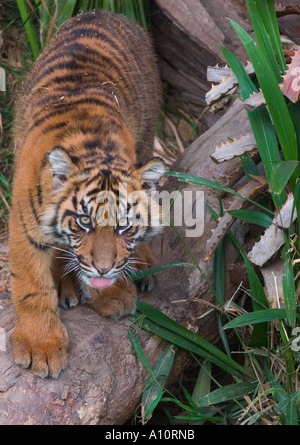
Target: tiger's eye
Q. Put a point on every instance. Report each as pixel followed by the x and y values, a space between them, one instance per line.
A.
pixel 123 221
pixel 84 222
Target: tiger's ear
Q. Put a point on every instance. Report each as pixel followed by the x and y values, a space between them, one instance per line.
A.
pixel 150 173
pixel 61 166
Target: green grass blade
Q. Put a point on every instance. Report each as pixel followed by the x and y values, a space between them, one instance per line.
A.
pixel 253 217
pixel 82 5
pixel 291 413
pixel 273 96
pixel 189 398
pixel 4 182
pixel 219 272
pixel 140 352
pixel 151 407
pixel 255 317
pixel 66 8
pixel 256 289
pixel 294 110
pixel 204 182
pixel 203 383
pixel 196 417
pixel 259 335
pixel 181 336
pixel 281 174
pixel 262 37
pixel 29 28
pixel 288 287
pixel 227 393
pixel 154 387
pixel 142 11
pixel 249 166
pixel 296 205
pixel 259 119
pixel 140 274
pixel 268 14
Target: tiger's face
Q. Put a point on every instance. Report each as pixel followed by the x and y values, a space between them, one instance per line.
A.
pixel 100 216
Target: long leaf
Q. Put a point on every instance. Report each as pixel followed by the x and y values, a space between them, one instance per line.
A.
pixel 140 352
pixel 291 413
pixel 165 327
pixel 273 96
pixel 203 383
pixel 281 174
pixel 262 36
pixel 140 274
pixel 268 14
pixel 228 392
pixel 29 28
pixel 154 387
pixel 66 10
pixel 251 216
pixel 259 300
pixel 259 119
pixel 288 287
pixel 153 405
pixel 219 271
pixel 204 182
pixel 257 317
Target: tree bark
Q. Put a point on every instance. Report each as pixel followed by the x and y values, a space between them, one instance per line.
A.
pixel 187 36
pixel 104 378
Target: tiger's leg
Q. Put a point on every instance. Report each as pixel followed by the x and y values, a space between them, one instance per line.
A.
pixel 143 259
pixel 68 289
pixel 39 338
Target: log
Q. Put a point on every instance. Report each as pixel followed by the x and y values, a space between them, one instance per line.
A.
pixel 187 36
pixel 103 381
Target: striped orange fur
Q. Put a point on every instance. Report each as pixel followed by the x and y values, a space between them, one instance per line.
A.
pixel 85 122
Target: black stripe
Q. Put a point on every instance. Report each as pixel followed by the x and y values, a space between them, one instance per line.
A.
pixel 66 214
pixel 74 202
pixel 70 228
pixel 92 144
pixel 33 208
pixel 84 101
pixel 94 178
pixel 54 127
pixel 31 240
pixel 33 294
pixel 54 220
pixel 94 191
pixel 105 173
pixel 39 193
pixel 12 274
pixel 84 207
pixel 70 93
pixel 66 41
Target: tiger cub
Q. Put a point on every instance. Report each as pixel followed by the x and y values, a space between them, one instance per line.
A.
pixel 85 123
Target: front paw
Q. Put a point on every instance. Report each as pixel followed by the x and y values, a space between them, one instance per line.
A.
pixel 68 292
pixel 147 284
pixel 115 300
pixel 44 349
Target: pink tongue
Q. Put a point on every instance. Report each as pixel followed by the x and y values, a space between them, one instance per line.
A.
pixel 100 282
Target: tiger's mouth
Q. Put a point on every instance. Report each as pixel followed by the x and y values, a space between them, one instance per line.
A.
pixel 97 281
pixel 100 282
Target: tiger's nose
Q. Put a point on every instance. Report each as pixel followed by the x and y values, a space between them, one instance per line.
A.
pixel 103 270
